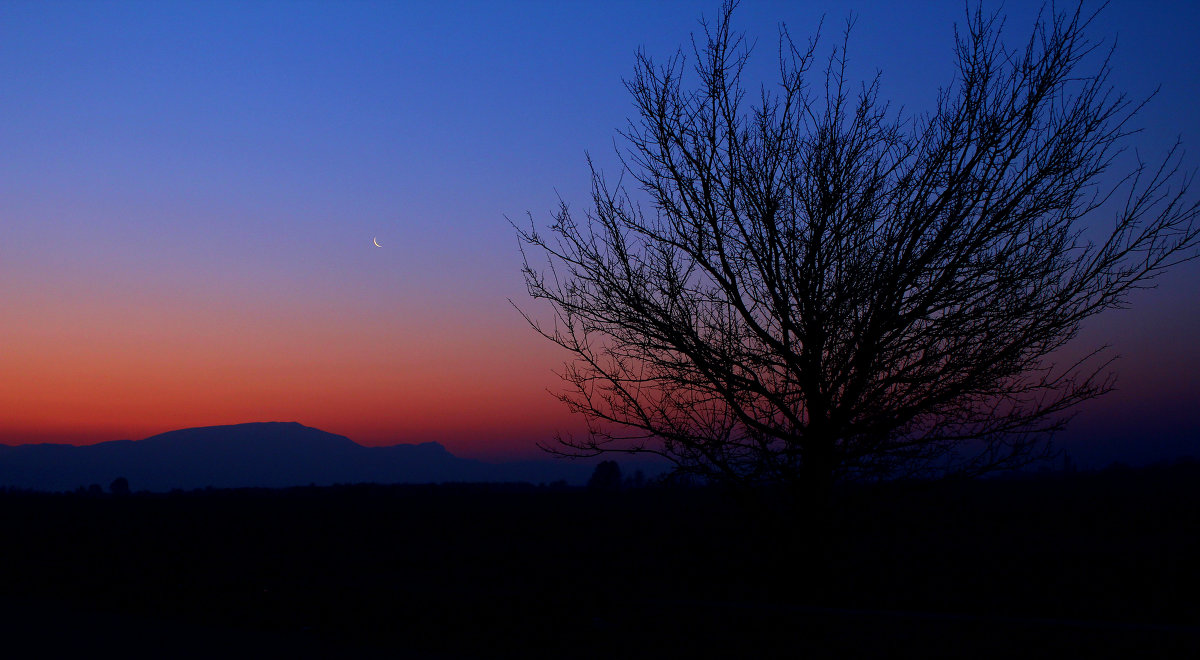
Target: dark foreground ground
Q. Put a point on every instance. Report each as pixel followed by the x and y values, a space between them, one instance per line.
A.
pixel 1083 565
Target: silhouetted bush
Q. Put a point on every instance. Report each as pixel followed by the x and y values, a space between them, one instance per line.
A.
pixel 119 487
pixel 607 476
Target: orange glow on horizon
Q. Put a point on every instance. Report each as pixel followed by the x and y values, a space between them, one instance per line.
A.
pixel 104 368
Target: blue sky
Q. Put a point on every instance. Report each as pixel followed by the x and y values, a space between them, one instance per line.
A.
pixel 195 185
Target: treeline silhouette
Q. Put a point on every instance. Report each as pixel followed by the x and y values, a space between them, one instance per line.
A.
pixel 1084 560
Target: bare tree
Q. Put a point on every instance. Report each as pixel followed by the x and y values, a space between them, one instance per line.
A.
pixel 824 287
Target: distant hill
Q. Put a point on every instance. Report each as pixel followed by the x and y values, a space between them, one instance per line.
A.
pixel 264 454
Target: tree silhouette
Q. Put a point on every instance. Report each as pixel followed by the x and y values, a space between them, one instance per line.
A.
pixel 119 486
pixel 821 287
pixel 606 476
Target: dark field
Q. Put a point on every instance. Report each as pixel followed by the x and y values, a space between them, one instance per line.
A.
pixel 1077 565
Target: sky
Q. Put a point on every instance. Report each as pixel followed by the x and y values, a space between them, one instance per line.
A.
pixel 190 191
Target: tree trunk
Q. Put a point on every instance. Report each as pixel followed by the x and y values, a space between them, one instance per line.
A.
pixel 805 534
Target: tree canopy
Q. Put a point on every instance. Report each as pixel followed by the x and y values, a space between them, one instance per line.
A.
pixel 813 285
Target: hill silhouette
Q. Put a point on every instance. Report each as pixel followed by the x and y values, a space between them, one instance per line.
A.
pixel 262 454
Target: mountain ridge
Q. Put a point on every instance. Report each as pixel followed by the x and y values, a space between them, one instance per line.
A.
pixel 256 454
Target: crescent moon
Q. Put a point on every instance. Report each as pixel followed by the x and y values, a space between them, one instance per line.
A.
pixel 376 242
